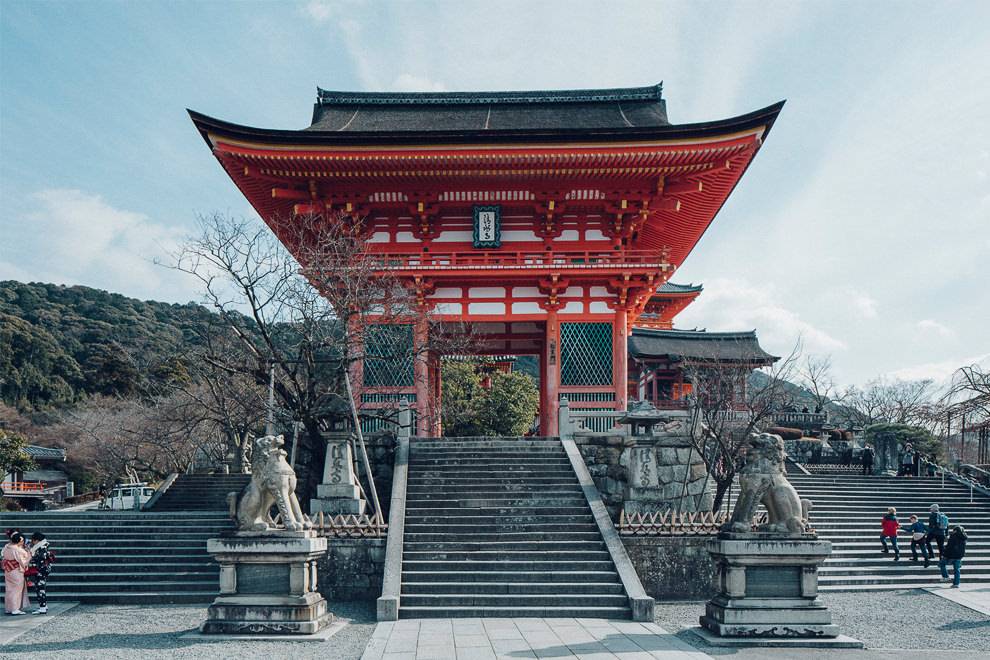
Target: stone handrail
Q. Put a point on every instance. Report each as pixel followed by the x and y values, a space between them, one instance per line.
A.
pixel 169 480
pixel 388 603
pixel 959 478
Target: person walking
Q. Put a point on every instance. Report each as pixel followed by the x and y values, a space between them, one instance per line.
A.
pixel 918 535
pixel 955 550
pixel 868 457
pixel 103 496
pixel 41 562
pixel 888 530
pixel 938 526
pixel 15 561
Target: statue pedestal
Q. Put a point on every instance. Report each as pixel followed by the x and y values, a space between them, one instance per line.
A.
pixel 267 584
pixel 339 493
pixel 768 584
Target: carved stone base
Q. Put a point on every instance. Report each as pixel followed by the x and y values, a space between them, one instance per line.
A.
pixel 336 499
pixel 768 587
pixel 268 585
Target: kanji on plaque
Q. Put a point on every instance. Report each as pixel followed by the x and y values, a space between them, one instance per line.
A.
pixel 488 226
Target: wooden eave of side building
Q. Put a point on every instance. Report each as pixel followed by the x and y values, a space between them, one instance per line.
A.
pixel 698 347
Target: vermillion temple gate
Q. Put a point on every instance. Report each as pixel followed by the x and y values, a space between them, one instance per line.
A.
pixel 548 219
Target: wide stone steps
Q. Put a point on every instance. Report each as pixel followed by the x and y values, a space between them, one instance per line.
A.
pixel 502 587
pixel 128 557
pixel 447 612
pixel 200 492
pixel 847 510
pixel 498 537
pixel 502 528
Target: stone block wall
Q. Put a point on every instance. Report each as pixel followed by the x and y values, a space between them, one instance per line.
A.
pixel 352 569
pixel 646 473
pixel 673 567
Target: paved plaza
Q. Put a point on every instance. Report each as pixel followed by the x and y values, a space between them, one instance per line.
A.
pixel 905 625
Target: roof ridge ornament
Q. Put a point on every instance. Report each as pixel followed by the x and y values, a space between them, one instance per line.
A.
pixel 649 93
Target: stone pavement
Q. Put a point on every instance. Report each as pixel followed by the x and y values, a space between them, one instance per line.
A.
pixel 13 626
pixel 974 596
pixel 518 639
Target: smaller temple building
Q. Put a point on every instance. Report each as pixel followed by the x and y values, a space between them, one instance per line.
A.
pixel 665 365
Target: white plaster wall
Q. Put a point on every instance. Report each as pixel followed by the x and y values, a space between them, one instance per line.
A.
pixel 486 292
pixel 486 308
pixel 526 308
pixel 573 307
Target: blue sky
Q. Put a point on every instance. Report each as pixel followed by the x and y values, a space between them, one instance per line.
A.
pixel 863 225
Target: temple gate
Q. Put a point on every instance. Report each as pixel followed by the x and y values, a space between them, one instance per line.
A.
pixel 548 220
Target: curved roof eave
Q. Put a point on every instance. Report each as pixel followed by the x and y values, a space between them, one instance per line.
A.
pixel 206 125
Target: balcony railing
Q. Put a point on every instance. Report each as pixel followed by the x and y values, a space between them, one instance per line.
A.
pixel 23 487
pixel 526 260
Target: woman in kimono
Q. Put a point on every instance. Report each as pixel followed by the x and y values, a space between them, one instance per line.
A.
pixel 15 561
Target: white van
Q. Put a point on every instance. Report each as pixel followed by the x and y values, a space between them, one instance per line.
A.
pixel 121 498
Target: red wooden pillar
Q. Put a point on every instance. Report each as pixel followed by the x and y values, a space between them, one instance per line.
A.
pixel 620 363
pixel 421 376
pixel 550 376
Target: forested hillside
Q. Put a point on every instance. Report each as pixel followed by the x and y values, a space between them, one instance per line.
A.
pixel 59 344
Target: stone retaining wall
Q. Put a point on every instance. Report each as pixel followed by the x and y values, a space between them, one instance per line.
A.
pixel 673 567
pixel 352 569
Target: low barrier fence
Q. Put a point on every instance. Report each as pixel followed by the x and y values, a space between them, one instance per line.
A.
pixel 676 523
pixel 349 526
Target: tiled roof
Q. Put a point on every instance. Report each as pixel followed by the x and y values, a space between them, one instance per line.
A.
pixel 44 453
pixel 698 346
pixel 430 111
pixel 670 287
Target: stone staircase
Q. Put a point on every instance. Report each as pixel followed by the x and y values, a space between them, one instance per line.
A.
pixel 127 557
pixel 500 527
pixel 200 492
pixel 848 509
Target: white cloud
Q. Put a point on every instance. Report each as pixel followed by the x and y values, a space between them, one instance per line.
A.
pixel 75 238
pixel 929 326
pixel 737 304
pixel 408 82
pixel 319 11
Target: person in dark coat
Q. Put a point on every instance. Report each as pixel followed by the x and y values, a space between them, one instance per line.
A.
pixel 955 550
pixel 936 531
pixel 40 554
pixel 888 530
pixel 868 457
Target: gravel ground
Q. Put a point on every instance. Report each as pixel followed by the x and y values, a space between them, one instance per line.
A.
pixel 141 632
pixel 908 619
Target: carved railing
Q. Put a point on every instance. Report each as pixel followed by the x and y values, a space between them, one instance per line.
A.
pixel 675 523
pixel 349 526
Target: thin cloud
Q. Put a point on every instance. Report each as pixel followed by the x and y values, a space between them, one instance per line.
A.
pixel 931 326
pixel 78 238
pixel 737 304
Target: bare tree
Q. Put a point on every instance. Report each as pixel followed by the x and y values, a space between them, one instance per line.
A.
pixel 815 375
pixel 113 434
pixel 306 300
pixel 898 401
pixel 729 405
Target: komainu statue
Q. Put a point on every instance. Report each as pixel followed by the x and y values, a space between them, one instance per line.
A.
pixel 763 480
pixel 273 482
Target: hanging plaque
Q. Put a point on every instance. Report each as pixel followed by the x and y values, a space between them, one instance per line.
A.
pixel 488 226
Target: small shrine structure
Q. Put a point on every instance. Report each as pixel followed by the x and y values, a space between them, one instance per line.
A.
pixel 550 221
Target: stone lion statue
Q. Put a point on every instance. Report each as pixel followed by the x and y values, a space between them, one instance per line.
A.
pixel 763 480
pixel 273 482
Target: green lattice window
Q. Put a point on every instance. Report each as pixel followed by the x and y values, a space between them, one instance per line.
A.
pixel 585 353
pixel 388 356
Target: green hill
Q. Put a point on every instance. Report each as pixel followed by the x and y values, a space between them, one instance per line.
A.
pixel 58 344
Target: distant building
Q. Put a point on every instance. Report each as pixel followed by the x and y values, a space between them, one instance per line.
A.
pixel 47 481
